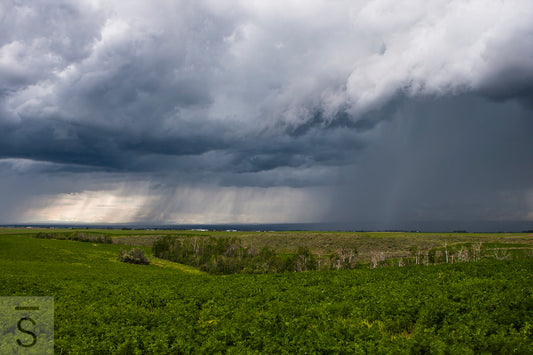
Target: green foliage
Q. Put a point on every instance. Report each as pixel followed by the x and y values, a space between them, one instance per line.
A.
pixel 80 236
pixel 460 308
pixel 228 255
pixel 133 256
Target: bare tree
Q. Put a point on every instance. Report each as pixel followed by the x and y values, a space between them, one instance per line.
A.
pixel 476 247
pixel 376 258
pixel 196 246
pixel 500 254
pixel 463 254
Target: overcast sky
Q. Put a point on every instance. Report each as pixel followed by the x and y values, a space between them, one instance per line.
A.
pixel 254 111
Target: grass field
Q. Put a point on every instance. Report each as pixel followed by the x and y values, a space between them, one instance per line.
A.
pixel 103 306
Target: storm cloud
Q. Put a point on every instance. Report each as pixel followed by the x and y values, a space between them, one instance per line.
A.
pixel 377 110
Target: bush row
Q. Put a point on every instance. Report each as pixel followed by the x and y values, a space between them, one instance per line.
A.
pixel 78 236
pixel 229 255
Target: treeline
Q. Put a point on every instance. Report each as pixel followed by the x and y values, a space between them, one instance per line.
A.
pixel 77 236
pixel 229 255
pixel 449 254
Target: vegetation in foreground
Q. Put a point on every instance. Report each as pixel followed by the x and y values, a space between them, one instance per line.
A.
pixel 103 306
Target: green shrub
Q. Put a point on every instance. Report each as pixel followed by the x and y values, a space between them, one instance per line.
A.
pixel 77 236
pixel 229 255
pixel 133 256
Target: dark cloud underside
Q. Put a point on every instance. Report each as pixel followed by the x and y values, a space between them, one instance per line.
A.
pixel 394 110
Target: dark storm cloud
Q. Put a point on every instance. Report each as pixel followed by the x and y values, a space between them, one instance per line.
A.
pixel 106 148
pixel 455 159
pixel 277 93
pixel 138 96
pixel 340 119
pixel 41 37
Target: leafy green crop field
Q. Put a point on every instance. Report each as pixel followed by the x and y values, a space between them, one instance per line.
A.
pixel 103 306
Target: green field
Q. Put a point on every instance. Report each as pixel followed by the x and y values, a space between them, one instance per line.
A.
pixel 103 306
